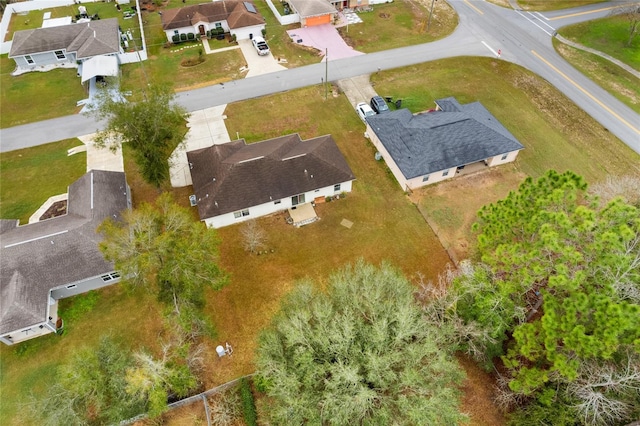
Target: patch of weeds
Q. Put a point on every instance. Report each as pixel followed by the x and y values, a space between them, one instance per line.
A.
pixel 73 308
pixel 248 403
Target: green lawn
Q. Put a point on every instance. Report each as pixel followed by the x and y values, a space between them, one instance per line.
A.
pixel 30 176
pixel 608 35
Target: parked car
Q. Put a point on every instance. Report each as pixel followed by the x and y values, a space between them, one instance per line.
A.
pixel 379 105
pixel 364 111
pixel 260 45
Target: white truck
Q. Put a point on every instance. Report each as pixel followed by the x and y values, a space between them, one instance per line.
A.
pixel 260 45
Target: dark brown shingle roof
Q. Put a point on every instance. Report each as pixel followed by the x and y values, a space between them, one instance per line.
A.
pixel 86 40
pixel 236 176
pixel 232 11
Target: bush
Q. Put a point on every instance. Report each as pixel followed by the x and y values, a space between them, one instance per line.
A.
pixel 176 38
pixel 191 36
pixel 248 404
pixel 183 37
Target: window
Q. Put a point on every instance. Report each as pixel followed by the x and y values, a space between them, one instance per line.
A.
pixel 175 32
pixel 71 286
pixel 445 173
pixel 241 213
pixel 60 54
pixel 297 199
pixel 336 187
pixel 218 26
pixel 425 178
pixel 29 59
pixel 504 157
pixel 109 277
pixel 277 201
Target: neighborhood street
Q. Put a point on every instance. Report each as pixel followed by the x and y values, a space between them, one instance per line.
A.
pixel 524 38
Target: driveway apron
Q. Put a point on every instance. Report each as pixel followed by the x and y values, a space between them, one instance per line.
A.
pixel 324 38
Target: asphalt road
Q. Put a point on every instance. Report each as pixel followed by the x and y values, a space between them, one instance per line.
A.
pixel 484 29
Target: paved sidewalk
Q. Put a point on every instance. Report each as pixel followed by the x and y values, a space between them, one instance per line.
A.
pixel 100 158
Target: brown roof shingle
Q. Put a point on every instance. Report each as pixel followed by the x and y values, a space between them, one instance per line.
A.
pixel 233 11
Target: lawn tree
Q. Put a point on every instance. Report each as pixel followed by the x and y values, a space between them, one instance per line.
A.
pixel 90 389
pixel 359 353
pixel 254 236
pixel 161 248
pixel 152 129
pixel 573 266
pixel 631 13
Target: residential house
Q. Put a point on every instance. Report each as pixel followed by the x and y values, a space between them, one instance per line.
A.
pixel 56 258
pixel 235 182
pixel 421 149
pixel 239 18
pixel 313 12
pixel 65 45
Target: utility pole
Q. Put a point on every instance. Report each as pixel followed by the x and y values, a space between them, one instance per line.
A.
pixel 326 73
pixel 430 13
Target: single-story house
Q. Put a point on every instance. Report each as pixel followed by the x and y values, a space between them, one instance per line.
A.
pixel 239 18
pixel 65 44
pixel 56 258
pixel 235 182
pixel 421 149
pixel 341 4
pixel 313 12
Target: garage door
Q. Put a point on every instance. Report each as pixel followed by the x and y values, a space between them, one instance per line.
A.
pixel 318 20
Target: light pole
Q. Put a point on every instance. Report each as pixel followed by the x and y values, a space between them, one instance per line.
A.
pixel 326 73
pixel 430 13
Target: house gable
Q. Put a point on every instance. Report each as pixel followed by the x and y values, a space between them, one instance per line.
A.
pixel 234 12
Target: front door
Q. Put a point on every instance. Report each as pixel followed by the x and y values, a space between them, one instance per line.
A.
pixel 202 30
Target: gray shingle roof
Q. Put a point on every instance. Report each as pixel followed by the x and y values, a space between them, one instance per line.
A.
pixel 55 252
pixel 86 40
pixel 235 176
pixel 429 142
pixel 309 8
pixel 233 11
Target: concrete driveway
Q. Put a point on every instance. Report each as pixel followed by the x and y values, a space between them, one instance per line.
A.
pixel 258 64
pixel 324 38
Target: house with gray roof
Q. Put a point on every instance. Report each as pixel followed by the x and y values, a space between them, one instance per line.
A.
pixel 235 181
pixel 421 149
pixel 65 45
pixel 237 17
pixel 56 258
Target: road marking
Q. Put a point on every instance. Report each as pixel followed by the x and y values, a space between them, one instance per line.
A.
pixel 593 98
pixel 493 51
pixel 474 8
pixel 530 20
pixel 541 15
pixel 582 13
pixel 542 22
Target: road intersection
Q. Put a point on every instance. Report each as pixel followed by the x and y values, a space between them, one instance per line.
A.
pixel 484 29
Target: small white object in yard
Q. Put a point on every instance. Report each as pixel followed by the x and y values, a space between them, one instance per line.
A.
pixel 224 350
pixel 346 223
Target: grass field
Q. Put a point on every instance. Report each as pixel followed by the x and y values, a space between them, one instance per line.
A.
pixel 387 223
pixel 30 176
pixel 608 35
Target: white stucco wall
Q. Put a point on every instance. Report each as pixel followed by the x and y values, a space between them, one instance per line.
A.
pixel 497 160
pixel 243 33
pixel 274 206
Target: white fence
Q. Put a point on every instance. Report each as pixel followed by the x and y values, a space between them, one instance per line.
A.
pixel 27 6
pixel 286 19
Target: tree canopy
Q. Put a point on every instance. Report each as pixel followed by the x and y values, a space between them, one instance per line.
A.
pixel 358 353
pixel 163 249
pixel 152 129
pixel 559 288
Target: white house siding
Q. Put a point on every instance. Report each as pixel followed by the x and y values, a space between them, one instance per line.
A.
pixel 433 178
pixel 497 160
pixel 79 287
pixel 273 206
pixel 46 58
pixel 196 29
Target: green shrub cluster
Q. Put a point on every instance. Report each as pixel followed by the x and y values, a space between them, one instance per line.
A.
pixel 248 403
